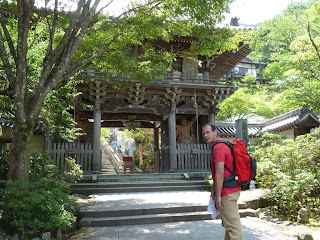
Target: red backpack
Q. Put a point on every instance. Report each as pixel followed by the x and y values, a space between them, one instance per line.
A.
pixel 244 165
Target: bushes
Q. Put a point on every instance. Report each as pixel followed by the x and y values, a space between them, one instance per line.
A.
pixel 290 169
pixel 4 164
pixel 42 204
pixel 38 206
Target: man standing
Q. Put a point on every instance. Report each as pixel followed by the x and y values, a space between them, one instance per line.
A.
pixel 225 198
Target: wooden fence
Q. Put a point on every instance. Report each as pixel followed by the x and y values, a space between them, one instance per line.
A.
pixel 190 157
pixel 83 153
pixel 194 157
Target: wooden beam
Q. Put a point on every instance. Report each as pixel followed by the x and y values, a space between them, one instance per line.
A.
pixel 119 124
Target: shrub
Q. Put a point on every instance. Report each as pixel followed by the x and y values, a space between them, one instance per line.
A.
pixel 73 171
pixel 41 165
pixel 38 206
pixel 4 164
pixel 44 203
pixel 208 178
pixel 290 169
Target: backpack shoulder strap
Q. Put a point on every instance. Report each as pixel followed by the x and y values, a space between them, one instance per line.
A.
pixel 222 141
pixel 231 148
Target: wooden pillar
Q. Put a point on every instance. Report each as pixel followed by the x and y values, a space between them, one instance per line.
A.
pixel 48 144
pixel 156 153
pixel 96 163
pixel 164 160
pixel 206 73
pixel 172 137
pixel 211 117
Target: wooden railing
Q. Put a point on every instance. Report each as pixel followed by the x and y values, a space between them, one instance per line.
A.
pixel 194 157
pixel 83 153
pixel 170 78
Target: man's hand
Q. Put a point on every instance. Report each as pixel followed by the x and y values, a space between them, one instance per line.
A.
pixel 218 203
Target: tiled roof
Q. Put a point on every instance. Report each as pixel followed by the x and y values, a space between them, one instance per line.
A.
pixel 232 131
pixel 4 122
pixel 300 116
pixel 285 123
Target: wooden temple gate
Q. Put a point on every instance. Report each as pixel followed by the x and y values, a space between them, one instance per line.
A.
pixel 189 92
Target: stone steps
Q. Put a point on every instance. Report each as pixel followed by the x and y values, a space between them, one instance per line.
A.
pixel 107 166
pixel 146 199
pixel 144 219
pixel 150 216
pixel 88 191
pixel 132 177
pixel 138 186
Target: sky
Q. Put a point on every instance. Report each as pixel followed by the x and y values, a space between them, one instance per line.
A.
pixel 255 11
pixel 249 11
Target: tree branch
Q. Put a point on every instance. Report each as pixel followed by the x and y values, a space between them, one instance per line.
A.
pixel 313 43
pixel 118 18
pixel 25 8
pixel 52 56
pixel 316 100
pixel 8 37
pixel 77 67
pixel 52 28
pixel 61 60
pixel 5 60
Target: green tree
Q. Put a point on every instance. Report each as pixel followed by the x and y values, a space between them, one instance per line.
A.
pixel 105 132
pixel 250 101
pixel 41 48
pixel 291 43
pixel 144 137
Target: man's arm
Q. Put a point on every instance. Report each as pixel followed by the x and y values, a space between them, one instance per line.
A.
pixel 218 182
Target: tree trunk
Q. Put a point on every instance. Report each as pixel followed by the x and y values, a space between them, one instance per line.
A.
pixel 20 151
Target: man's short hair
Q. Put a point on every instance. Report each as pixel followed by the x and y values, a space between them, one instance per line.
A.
pixel 213 127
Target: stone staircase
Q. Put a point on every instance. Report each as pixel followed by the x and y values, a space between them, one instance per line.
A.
pixel 111 162
pixel 143 216
pixel 95 184
pixel 151 216
pixel 148 199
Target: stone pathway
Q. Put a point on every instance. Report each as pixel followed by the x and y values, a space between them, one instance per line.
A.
pixel 107 166
pixel 253 228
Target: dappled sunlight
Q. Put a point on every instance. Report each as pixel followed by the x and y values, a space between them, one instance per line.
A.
pixel 146 200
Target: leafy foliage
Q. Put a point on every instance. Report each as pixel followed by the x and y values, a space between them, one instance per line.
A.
pixel 290 170
pixel 245 103
pixel 105 132
pixel 208 178
pixel 4 164
pixel 290 43
pixel 44 203
pixel 57 116
pixel 38 206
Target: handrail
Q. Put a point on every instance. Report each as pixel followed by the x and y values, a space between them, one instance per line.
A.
pixel 107 151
